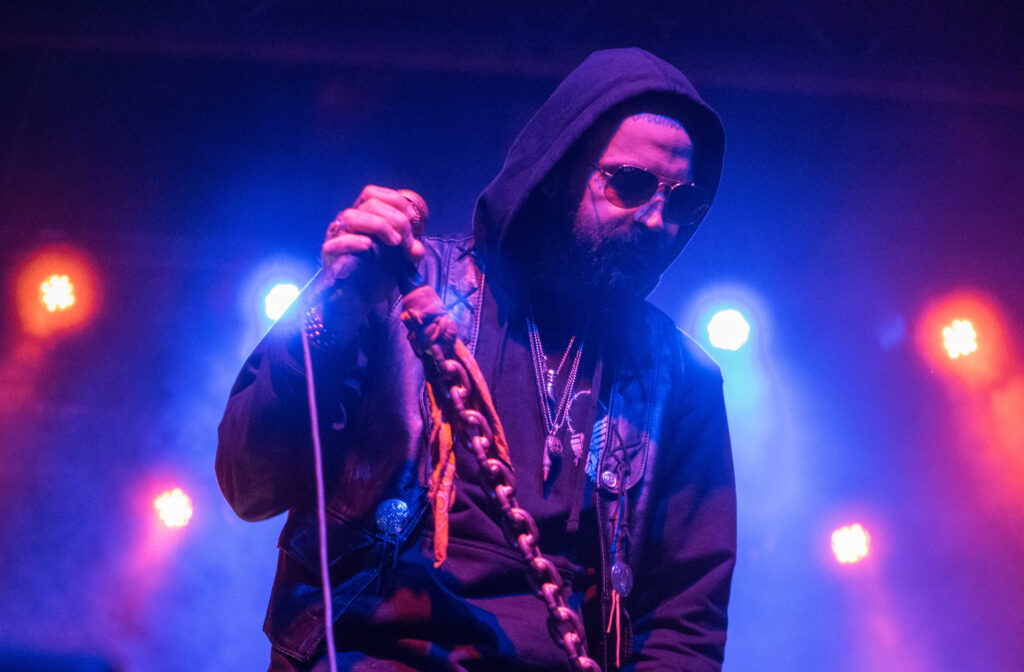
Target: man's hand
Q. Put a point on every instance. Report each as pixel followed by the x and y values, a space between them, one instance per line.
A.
pixel 379 217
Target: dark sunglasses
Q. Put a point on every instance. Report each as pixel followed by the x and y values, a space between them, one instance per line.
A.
pixel 631 186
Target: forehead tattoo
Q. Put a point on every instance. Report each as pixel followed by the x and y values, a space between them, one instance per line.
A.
pixel 657 120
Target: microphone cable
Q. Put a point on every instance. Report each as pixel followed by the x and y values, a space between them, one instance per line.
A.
pixel 321 505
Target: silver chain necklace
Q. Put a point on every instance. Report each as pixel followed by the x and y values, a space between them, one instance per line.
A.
pixel 554 420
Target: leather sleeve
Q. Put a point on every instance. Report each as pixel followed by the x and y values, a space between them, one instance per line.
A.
pixel 264 460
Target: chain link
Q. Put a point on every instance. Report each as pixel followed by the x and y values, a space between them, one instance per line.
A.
pixel 472 427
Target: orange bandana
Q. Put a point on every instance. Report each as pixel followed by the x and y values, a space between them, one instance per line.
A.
pixel 429 325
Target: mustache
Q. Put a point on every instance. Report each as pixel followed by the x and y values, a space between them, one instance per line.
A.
pixel 639 241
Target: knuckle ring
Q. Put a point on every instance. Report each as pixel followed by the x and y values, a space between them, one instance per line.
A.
pixel 336 227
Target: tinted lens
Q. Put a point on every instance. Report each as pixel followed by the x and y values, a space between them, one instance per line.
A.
pixel 630 186
pixel 686 203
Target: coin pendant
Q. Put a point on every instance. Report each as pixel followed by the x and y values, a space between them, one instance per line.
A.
pixel 553 445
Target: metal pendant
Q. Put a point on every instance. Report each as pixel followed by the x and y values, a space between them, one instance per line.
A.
pixel 553 445
pixel 622 578
pixel 576 443
pixel 391 516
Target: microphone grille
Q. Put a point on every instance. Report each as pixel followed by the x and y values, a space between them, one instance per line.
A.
pixel 421 209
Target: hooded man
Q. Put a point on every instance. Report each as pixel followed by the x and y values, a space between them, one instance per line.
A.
pixel 614 419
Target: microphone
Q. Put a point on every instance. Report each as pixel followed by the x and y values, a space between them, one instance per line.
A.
pixel 421 210
pixel 327 281
pixel 407 277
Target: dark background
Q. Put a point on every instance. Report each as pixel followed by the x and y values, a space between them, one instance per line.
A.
pixel 195 150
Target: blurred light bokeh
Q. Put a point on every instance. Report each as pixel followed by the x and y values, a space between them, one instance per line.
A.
pixel 175 164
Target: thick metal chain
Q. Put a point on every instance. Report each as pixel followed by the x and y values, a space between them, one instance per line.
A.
pixel 472 427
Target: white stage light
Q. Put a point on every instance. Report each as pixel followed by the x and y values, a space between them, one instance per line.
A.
pixel 278 299
pixel 728 330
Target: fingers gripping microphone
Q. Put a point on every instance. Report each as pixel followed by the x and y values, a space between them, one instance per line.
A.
pixel 327 281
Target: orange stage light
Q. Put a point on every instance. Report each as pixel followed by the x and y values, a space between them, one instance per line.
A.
pixel 960 339
pixel 56 291
pixel 963 334
pixel 970 342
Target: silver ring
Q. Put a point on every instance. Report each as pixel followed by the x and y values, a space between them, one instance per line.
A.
pixel 337 226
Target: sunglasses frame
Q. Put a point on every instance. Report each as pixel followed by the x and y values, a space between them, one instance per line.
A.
pixel 614 199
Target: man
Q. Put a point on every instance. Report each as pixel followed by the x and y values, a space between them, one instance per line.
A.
pixel 614 419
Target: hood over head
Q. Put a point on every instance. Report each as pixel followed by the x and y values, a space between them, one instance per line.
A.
pixel 606 81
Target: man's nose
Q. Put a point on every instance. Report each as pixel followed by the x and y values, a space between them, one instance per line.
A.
pixel 650 213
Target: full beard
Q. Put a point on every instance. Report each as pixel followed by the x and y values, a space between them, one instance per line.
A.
pixel 594 270
pixel 616 273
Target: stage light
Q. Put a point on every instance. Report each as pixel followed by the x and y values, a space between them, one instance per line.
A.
pixel 56 290
pixel 965 335
pixel 278 299
pixel 265 294
pixel 57 293
pixel 960 339
pixel 728 330
pixel 850 544
pixel 174 508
